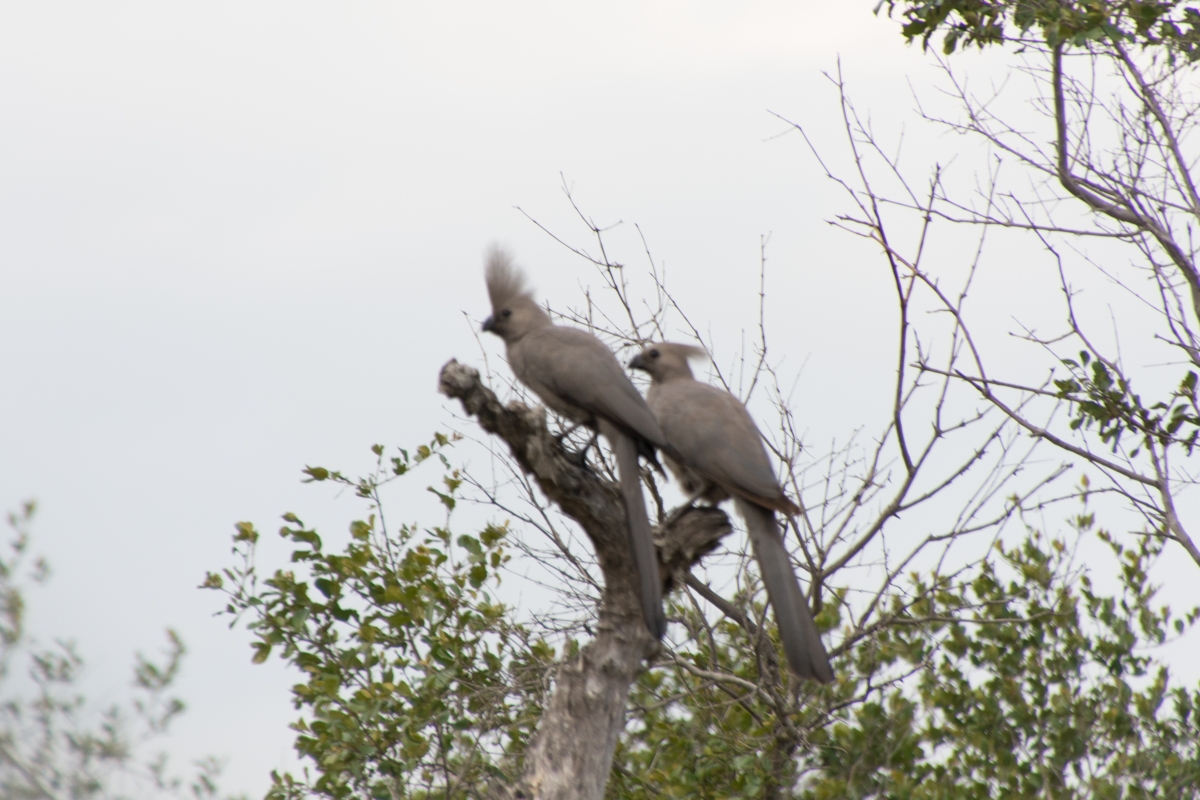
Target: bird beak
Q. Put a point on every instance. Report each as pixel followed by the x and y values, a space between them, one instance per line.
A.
pixel 636 362
pixel 489 324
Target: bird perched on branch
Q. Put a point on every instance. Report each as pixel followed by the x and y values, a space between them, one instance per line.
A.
pixel 717 452
pixel 576 375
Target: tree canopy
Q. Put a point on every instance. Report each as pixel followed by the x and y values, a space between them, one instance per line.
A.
pixel 992 635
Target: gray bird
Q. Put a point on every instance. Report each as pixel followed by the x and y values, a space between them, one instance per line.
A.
pixel 576 375
pixel 719 453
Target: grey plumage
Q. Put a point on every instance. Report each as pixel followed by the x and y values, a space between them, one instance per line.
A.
pixel 576 375
pixel 717 453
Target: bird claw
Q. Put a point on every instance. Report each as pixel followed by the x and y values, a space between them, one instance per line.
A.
pixel 576 457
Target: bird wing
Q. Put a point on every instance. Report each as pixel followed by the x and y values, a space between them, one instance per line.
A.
pixel 580 370
pixel 717 438
pixel 640 538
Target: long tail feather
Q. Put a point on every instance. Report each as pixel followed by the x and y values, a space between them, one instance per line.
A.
pixel 641 543
pixel 801 642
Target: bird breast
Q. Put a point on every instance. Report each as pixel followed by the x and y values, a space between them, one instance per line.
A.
pixel 715 437
pixel 531 360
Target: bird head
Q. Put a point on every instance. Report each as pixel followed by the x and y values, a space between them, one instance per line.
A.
pixel 666 360
pixel 514 311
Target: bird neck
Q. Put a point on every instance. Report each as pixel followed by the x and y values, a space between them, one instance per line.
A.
pixel 676 373
pixel 539 319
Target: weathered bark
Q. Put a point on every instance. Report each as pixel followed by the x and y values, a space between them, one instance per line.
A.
pixel 570 757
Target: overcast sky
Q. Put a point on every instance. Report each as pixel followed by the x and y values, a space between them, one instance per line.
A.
pixel 238 238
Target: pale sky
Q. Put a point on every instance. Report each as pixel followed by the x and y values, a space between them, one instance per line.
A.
pixel 238 238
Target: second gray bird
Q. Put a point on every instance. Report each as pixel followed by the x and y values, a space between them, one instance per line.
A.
pixel 576 375
pixel 718 453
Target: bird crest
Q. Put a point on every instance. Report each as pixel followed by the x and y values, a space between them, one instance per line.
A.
pixel 505 282
pixel 685 352
pixel 667 361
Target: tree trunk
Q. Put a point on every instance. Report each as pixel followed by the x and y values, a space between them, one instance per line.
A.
pixel 571 754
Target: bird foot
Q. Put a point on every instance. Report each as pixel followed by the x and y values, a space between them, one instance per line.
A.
pixel 577 457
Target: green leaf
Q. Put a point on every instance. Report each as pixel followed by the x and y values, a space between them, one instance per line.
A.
pixel 262 651
pixel 245 532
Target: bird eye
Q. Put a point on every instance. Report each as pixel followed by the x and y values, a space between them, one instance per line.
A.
pixel 654 354
pixel 506 312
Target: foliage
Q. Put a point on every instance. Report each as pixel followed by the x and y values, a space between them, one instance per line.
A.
pixel 1100 397
pixel 1027 681
pixel 416 681
pixel 1047 692
pixel 52 743
pixel 1015 678
pixel 1170 24
pixel 1063 699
